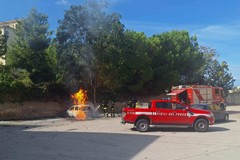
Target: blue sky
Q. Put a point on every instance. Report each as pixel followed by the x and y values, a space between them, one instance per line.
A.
pixel 216 23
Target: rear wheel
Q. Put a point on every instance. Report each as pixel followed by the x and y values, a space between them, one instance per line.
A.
pixel 142 125
pixel 201 125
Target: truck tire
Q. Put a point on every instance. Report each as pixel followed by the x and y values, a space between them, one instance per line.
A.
pixel 142 125
pixel 201 125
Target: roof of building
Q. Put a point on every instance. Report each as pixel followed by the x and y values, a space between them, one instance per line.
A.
pixel 8 23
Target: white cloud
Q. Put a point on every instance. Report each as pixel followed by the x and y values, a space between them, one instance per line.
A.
pixel 224 38
pixel 220 32
pixel 62 2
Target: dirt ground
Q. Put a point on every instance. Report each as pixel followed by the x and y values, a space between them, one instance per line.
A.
pixel 31 110
pixel 39 110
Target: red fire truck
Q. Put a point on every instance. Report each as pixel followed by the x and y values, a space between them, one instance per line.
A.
pixel 193 94
pixel 170 113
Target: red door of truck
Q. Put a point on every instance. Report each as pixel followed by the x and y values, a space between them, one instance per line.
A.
pixel 180 114
pixel 163 113
pixel 170 113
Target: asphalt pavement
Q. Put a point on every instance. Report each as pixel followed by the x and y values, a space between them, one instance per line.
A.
pixel 108 139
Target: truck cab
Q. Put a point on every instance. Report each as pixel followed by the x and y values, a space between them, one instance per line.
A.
pixel 167 112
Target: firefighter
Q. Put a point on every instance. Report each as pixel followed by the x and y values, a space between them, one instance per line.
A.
pixel 112 108
pixel 138 104
pixel 222 106
pixel 129 104
pixel 134 101
pixel 104 107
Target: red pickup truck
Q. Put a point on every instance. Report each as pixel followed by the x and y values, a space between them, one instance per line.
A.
pixel 168 113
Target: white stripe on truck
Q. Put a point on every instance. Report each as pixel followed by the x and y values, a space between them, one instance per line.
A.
pixel 146 113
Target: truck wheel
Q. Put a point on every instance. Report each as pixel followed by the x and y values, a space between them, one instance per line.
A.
pixel 142 125
pixel 201 125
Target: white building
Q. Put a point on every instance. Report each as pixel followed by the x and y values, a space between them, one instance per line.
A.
pixel 7 27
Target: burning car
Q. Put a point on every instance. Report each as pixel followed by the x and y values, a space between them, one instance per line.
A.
pixel 80 112
pixel 81 109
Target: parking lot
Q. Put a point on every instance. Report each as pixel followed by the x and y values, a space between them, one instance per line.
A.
pixel 106 138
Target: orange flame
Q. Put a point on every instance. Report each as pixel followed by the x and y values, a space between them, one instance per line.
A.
pixel 80 99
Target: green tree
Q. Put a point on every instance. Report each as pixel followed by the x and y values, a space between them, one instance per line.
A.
pixel 164 76
pixel 51 57
pixel 79 49
pixel 137 67
pixel 125 64
pixel 109 55
pixel 29 49
pixel 216 73
pixel 14 83
pixel 175 59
